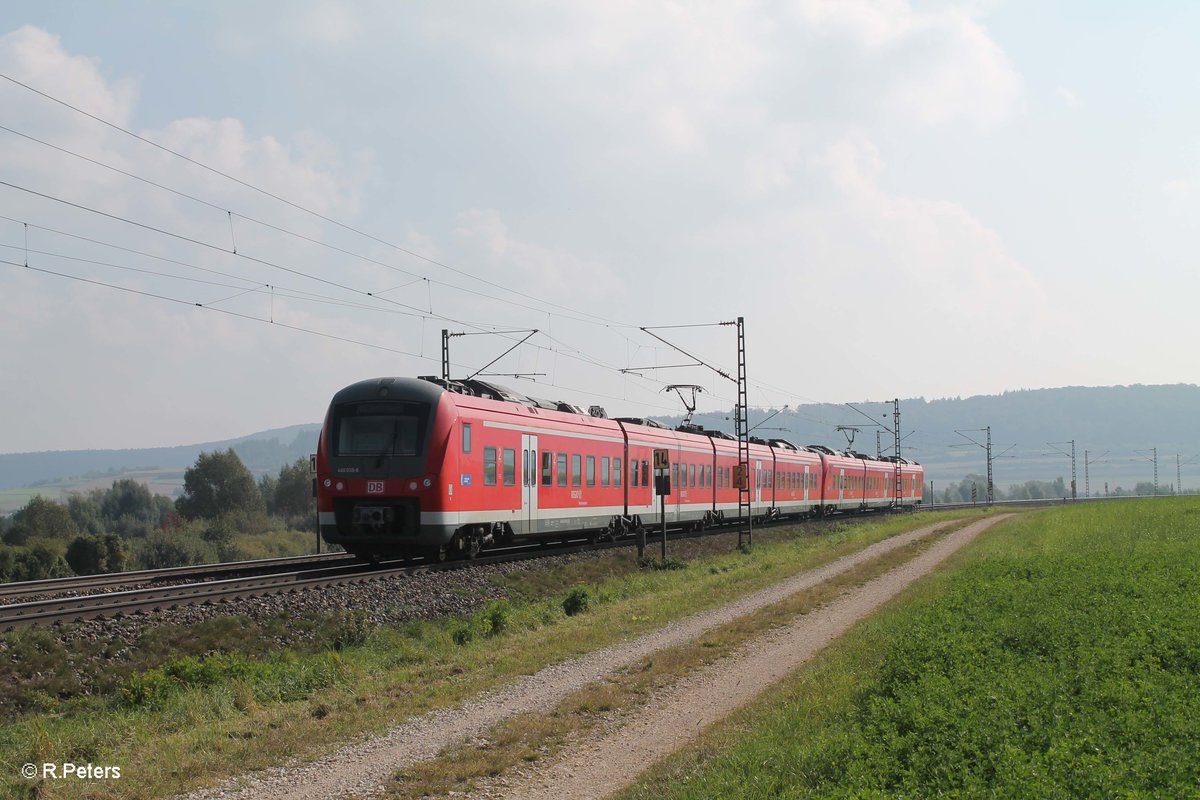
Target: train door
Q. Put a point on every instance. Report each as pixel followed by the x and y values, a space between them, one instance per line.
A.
pixel 529 482
pixel 758 482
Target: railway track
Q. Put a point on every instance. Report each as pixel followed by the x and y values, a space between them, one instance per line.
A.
pixel 347 570
pixel 205 584
pixel 222 582
pixel 24 590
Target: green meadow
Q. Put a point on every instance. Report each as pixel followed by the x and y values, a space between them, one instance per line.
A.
pixel 1058 657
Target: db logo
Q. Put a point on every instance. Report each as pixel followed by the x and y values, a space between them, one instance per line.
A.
pixel 374 487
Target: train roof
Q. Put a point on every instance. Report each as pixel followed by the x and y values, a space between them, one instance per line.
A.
pixel 429 389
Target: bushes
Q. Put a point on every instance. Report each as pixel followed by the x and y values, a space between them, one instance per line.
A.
pixel 280 679
pixel 179 548
pixel 93 555
pixel 38 561
pixel 576 601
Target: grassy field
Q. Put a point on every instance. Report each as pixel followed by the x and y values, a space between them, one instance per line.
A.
pixel 1061 660
pixel 160 481
pixel 179 722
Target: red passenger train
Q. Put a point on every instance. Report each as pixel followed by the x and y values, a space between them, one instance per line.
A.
pixel 423 466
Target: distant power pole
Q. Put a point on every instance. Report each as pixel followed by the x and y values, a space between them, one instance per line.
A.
pixel 988 448
pixel 1087 462
pixel 1072 453
pixel 1178 480
pixel 1074 496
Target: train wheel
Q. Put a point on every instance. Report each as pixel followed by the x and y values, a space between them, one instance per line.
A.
pixel 436 555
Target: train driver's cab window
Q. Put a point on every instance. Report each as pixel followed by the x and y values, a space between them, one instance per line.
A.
pixel 384 428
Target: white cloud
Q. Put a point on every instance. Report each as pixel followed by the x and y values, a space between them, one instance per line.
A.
pixel 152 366
pixel 934 66
pixel 529 266
pixel 1069 98
pixel 36 57
pixel 1178 188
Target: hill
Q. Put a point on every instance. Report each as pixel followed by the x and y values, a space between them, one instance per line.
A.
pixel 161 467
pixel 1117 425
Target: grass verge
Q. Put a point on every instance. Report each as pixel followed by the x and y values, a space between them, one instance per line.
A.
pixel 209 720
pixel 529 737
pixel 1061 660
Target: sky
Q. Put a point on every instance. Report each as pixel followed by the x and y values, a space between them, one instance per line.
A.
pixel 216 215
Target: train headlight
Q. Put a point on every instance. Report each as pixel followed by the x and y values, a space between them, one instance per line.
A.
pixel 328 483
pixel 340 486
pixel 427 482
pixel 412 487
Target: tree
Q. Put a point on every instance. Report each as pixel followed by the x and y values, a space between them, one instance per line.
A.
pixel 267 485
pixel 85 512
pixel 129 499
pixel 218 484
pixel 293 490
pixel 41 519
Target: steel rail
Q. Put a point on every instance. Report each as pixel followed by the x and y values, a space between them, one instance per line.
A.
pixel 107 605
pixel 10 592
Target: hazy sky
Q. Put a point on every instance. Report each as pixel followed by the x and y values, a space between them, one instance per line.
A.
pixel 902 199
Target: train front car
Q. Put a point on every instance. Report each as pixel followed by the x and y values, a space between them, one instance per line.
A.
pixel 379 465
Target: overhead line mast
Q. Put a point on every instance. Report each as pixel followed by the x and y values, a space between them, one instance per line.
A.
pixel 745 512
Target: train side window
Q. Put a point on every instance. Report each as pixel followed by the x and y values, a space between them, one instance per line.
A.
pixel 645 473
pixel 633 473
pixel 510 467
pixel 489 466
pixel 547 468
pixel 591 470
pixel 616 468
pixel 562 469
pixel 692 472
pixel 675 474
pixel 605 465
pixel 466 437
pixel 576 469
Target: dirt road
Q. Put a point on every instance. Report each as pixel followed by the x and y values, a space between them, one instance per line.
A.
pixel 361 768
pixel 680 715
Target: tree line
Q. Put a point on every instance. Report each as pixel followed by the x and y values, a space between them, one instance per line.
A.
pixel 223 514
pixel 961 491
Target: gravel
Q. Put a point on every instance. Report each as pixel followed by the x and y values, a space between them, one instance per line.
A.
pixel 386 601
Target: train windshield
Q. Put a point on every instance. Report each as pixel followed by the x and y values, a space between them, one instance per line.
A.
pixel 380 429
